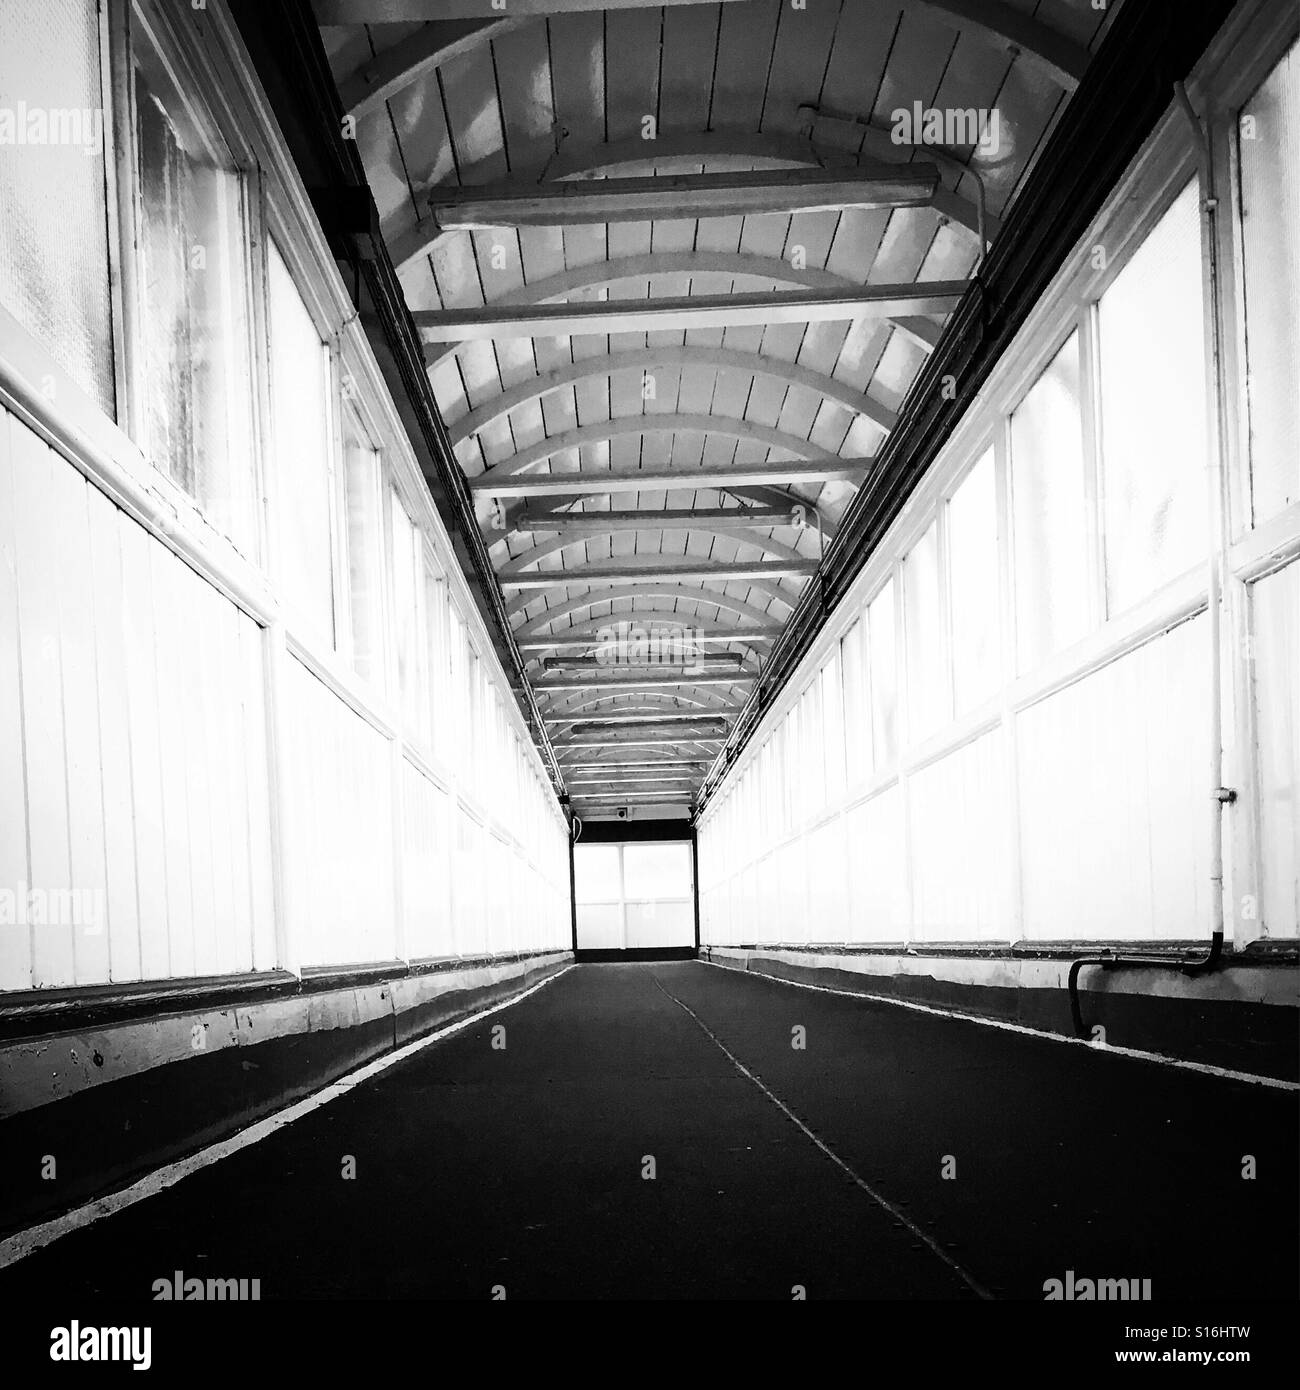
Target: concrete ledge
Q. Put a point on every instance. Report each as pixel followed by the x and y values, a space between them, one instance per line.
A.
pixel 110 1102
pixel 1242 1016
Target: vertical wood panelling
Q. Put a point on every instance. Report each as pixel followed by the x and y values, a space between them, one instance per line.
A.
pixel 37 523
pixel 15 937
pixel 115 738
pixel 78 668
pixel 133 740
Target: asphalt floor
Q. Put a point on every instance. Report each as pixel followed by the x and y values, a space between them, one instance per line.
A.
pixel 677 1130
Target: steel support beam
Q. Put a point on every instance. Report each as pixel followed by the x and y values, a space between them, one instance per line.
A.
pixel 688 312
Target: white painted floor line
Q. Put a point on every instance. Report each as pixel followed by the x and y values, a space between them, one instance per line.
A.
pixel 1107 1049
pixel 24 1243
pixel 935 1248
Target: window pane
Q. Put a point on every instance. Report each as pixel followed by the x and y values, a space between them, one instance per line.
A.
pixel 883 676
pixel 928 700
pixel 1153 410
pixel 973 565
pixel 656 871
pixel 813 751
pixel 1270 216
pixel 365 551
pixel 596 874
pixel 857 712
pixel 832 700
pixel 1049 504
pixel 193 277
pixel 54 228
pixel 299 407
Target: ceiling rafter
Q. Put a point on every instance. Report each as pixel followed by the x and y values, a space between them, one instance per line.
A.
pixel 684 313
pixel 661 359
pixel 673 568
pixel 580 602
pixel 535 554
pixel 675 422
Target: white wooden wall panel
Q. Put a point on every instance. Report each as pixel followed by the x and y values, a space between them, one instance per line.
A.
pixel 342 808
pixel 132 723
pixel 15 938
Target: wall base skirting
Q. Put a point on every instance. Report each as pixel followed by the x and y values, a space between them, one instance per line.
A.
pixel 111 1101
pixel 1242 1016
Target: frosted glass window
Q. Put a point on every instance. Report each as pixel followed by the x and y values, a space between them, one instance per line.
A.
pixel 1153 410
pixel 856 709
pixel 1049 512
pixel 439 666
pixel 883 675
pixel 299 412
pixel 1269 135
pixel 365 550
pixel 408 578
pixel 973 586
pixel 832 701
pixel 928 699
pixel 812 751
pixel 54 230
pixel 597 877
pixel 656 871
pixel 1276 603
pixel 192 272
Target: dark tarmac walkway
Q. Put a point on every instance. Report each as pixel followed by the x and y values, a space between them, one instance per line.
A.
pixel 821 1167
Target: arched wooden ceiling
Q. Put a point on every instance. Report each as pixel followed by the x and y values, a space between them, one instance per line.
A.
pixel 746 302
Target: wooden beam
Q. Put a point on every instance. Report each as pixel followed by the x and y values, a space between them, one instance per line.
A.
pixel 589 480
pixel 685 153
pixel 688 312
pixel 656 682
pixel 669 571
pixel 414 11
pixel 665 519
pixel 748 193
pixel 699 636
pixel 692 765
pixel 641 717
